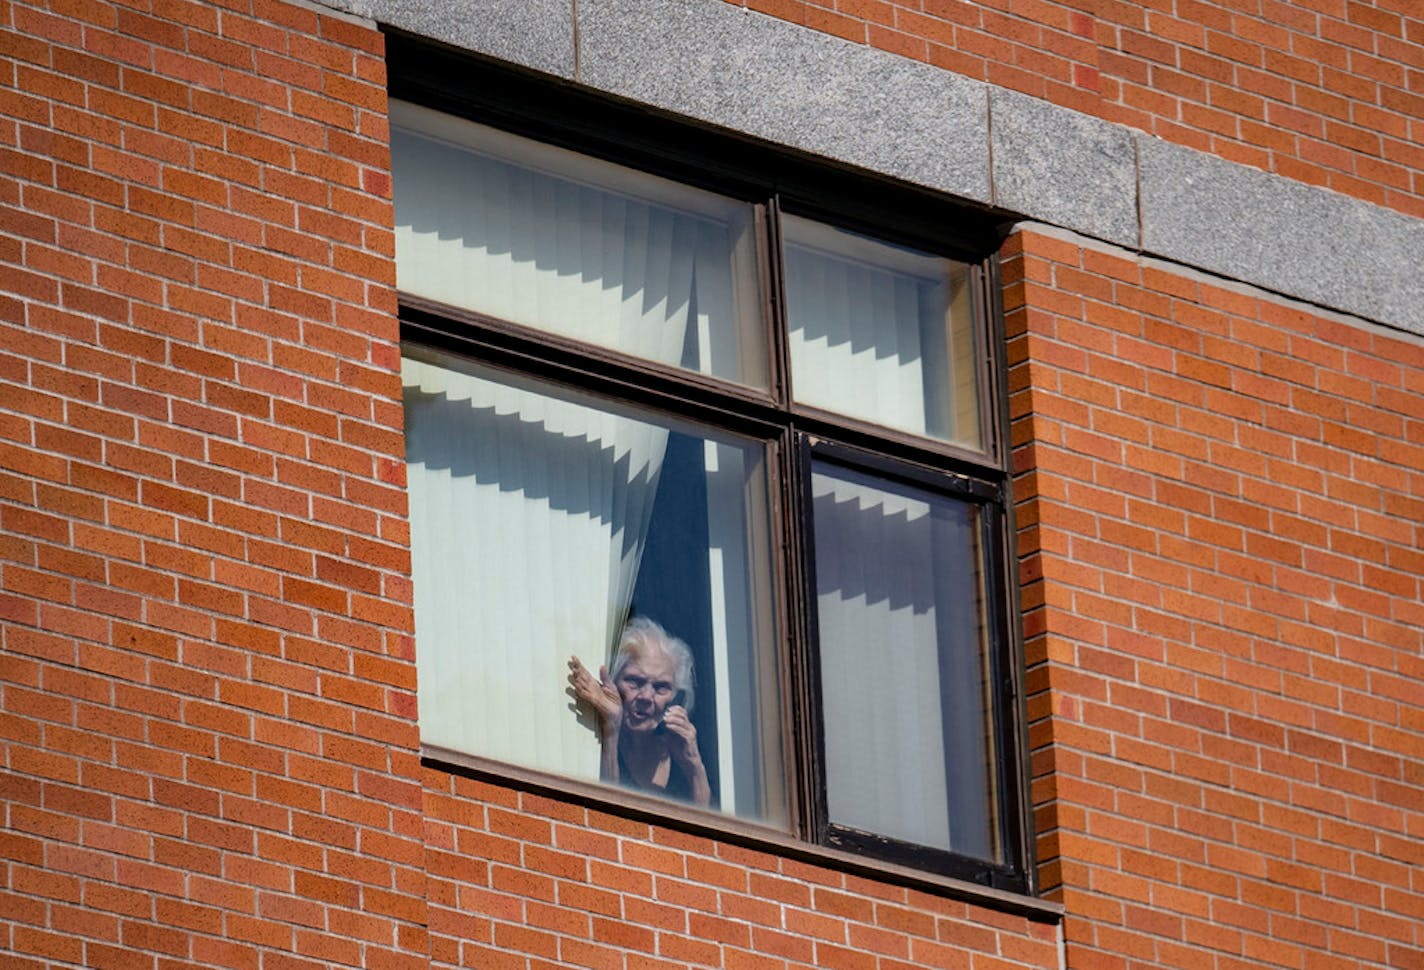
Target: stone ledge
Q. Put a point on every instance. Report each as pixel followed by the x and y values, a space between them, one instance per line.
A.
pixel 537 34
pixel 1064 167
pixel 774 80
pixel 1293 238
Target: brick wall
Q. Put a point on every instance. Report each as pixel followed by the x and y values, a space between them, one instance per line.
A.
pixel 517 880
pixel 206 689
pixel 208 753
pixel 1329 92
pixel 1221 505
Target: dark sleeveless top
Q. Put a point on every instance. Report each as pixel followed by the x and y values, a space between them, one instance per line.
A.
pixel 679 786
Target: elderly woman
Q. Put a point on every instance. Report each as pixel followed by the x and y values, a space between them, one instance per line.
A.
pixel 649 741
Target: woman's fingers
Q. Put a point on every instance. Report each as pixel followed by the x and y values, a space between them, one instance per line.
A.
pixel 677 720
pixel 584 684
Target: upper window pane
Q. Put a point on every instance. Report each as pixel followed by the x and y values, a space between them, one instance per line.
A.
pixel 881 333
pixel 542 522
pixel 576 246
pixel 903 663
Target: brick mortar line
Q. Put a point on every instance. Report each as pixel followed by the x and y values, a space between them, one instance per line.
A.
pixel 275 480
pixel 1402 543
pixel 146 597
pixel 97 262
pixel 102 379
pixel 1228 316
pixel 263 108
pixel 1044 453
pixel 164 166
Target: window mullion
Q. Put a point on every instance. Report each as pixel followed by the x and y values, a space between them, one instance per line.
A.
pixel 803 712
pixel 1015 822
pixel 775 289
pixel 804 636
pixel 988 320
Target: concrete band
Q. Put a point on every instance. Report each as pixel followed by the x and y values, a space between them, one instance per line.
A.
pixel 720 64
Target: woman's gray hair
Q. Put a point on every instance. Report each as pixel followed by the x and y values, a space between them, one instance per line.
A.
pixel 641 635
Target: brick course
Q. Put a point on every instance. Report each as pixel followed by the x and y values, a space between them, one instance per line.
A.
pixel 517 879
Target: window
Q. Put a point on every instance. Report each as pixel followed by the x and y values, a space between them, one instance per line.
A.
pixel 735 455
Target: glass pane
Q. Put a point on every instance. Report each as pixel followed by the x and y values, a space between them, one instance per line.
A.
pixel 881 333
pixel 575 246
pixel 900 614
pixel 542 522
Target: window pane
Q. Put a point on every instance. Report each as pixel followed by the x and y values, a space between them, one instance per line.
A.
pixel 881 333
pixel 902 641
pixel 575 246
pixel 541 521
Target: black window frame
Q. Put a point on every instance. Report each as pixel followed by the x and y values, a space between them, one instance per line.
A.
pixel 772 179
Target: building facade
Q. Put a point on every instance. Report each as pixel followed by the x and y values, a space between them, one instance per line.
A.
pixel 1149 496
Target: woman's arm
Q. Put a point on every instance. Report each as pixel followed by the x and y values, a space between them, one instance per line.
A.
pixel 682 747
pixel 602 696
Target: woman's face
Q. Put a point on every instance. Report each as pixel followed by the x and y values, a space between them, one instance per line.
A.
pixel 646 685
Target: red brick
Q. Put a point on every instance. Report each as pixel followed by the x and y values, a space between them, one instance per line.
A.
pixel 1221 600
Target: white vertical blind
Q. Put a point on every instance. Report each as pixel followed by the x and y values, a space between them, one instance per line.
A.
pixel 880 677
pixel 902 663
pixel 855 339
pixel 750 768
pixel 879 332
pixel 573 246
pixel 528 515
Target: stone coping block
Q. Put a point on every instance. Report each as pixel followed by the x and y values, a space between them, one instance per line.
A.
pixel 537 34
pixel 810 91
pixel 1064 167
pixel 1280 234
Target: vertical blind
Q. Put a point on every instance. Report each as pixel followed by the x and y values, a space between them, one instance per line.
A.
pixel 532 512
pixel 528 516
pixel 530 509
pixel 880 332
pixel 902 661
pixel 573 246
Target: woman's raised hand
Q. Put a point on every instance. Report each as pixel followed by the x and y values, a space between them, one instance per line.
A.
pixel 600 694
